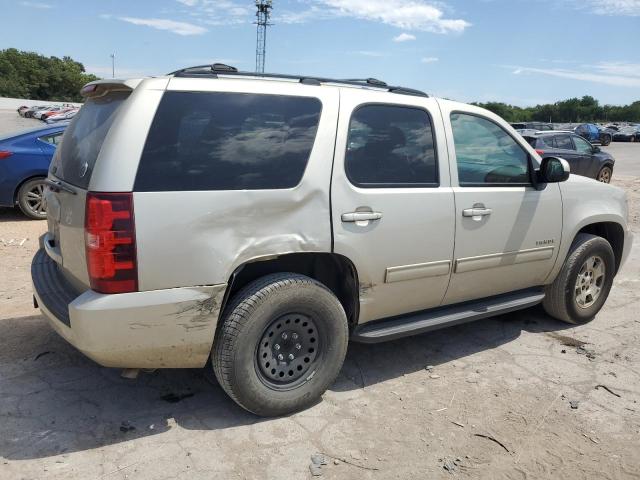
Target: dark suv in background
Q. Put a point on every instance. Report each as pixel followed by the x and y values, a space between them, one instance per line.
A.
pixel 589 132
pixel 584 158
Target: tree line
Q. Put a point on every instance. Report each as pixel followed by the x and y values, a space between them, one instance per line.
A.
pixel 574 110
pixel 34 76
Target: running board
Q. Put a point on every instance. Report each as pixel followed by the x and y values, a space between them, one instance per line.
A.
pixel 441 317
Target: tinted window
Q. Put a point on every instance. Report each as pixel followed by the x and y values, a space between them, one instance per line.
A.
pixel 563 142
pixel 52 139
pixel 228 141
pixel 390 146
pixel 485 153
pixel 83 139
pixel 582 146
pixel 546 142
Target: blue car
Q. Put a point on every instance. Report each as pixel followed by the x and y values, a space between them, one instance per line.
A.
pixel 24 164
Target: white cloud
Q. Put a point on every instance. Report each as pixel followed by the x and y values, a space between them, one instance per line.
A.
pixel 219 12
pixel 35 5
pixel 408 15
pixel 404 37
pixel 429 59
pixel 180 28
pixel 618 74
pixel 615 7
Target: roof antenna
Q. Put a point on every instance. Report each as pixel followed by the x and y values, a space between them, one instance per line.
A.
pixel 263 14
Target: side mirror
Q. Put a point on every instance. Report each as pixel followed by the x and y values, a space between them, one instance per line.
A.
pixel 553 170
pixel 596 149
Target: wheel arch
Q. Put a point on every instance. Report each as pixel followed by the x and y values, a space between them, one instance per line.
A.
pixel 612 232
pixel 336 272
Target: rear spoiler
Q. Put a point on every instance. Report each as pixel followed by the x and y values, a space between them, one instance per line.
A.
pixel 100 88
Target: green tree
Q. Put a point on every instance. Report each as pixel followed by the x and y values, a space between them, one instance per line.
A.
pixel 34 76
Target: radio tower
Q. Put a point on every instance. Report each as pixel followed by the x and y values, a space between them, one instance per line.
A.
pixel 262 15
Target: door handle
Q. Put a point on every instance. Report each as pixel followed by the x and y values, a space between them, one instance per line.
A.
pixel 361 216
pixel 476 212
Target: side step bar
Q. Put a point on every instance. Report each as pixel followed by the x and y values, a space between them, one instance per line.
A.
pixel 441 317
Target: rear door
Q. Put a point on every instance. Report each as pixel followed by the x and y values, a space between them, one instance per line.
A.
pixel 391 202
pixel 69 175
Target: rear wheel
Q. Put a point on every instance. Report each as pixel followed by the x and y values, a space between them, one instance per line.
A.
pixel 606 140
pixel 281 344
pixel 604 175
pixel 31 199
pixel 582 286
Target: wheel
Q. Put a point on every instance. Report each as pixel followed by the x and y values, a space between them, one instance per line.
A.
pixel 606 140
pixel 583 284
pixel 31 199
pixel 604 175
pixel 281 344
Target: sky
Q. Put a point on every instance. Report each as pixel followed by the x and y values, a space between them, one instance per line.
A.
pixel 523 52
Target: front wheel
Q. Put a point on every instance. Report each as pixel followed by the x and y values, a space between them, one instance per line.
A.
pixel 582 286
pixel 606 140
pixel 281 344
pixel 604 175
pixel 31 199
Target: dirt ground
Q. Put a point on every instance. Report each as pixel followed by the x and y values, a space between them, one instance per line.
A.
pixel 494 403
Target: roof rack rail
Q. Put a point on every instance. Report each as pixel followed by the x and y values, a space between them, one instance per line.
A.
pixel 212 71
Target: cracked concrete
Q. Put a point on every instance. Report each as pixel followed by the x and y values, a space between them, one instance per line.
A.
pixel 509 377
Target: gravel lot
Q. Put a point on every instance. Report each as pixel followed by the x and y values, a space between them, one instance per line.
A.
pixel 495 404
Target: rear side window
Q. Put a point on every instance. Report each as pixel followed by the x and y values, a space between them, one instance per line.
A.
pixel 76 157
pixel 391 146
pixel 228 141
pixel 563 142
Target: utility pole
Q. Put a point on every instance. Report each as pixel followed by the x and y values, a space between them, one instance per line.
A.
pixel 113 65
pixel 263 13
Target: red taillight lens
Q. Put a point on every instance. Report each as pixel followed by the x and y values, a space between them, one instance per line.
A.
pixel 110 241
pixel 539 152
pixel 5 154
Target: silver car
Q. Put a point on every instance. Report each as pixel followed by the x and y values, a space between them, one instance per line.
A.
pixel 262 221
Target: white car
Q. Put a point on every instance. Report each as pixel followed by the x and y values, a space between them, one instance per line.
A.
pixel 60 117
pixel 262 221
pixel 39 113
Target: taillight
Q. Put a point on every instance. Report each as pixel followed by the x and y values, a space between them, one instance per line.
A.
pixel 5 154
pixel 539 152
pixel 110 242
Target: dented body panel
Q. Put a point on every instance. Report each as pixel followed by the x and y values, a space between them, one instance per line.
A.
pixel 171 328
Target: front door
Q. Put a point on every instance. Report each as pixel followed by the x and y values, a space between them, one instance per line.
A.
pixel 392 204
pixel 507 232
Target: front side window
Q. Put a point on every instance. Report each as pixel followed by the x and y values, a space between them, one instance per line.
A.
pixel 391 146
pixel 228 141
pixel 582 145
pixel 486 154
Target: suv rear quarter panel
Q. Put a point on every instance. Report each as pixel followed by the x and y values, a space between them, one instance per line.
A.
pixel 188 238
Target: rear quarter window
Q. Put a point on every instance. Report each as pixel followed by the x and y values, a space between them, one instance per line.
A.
pixel 228 141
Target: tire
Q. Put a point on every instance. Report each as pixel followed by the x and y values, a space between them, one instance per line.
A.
pixel 604 175
pixel 31 199
pixel 606 140
pixel 561 297
pixel 308 323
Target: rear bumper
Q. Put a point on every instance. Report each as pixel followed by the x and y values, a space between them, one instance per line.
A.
pixel 172 328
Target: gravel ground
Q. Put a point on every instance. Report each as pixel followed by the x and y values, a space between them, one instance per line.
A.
pixel 495 402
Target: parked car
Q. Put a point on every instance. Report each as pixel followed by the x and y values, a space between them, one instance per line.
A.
pixel 51 113
pixel 300 212
pixel 24 161
pixel 584 158
pixel 627 134
pixel 40 113
pixel 537 126
pixel 29 112
pixel 64 116
pixel 593 134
